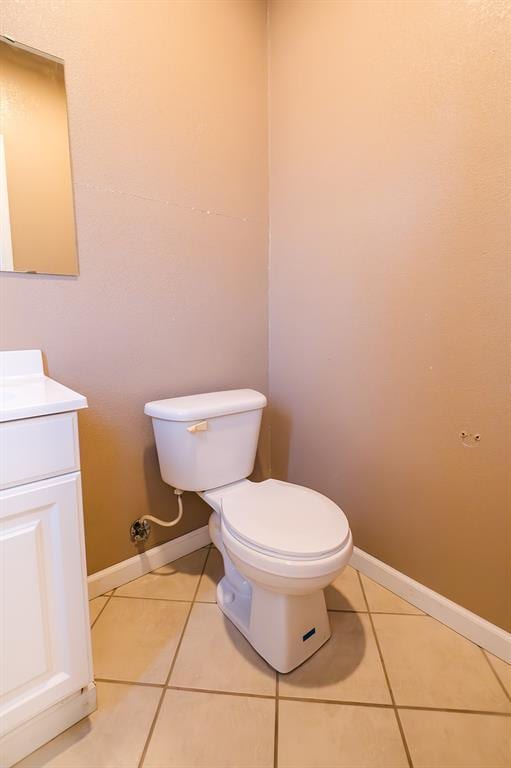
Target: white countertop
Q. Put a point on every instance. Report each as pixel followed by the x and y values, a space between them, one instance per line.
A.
pixel 25 391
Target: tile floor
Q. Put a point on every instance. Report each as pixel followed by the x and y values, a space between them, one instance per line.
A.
pixel 179 687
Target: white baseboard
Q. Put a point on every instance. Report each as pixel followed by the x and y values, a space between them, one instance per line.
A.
pixel 470 625
pixel 140 564
pixel 20 742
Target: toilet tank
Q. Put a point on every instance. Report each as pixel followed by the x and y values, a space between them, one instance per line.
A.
pixel 205 441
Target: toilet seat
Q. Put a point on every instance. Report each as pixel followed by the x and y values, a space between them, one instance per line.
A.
pixel 284 521
pixel 281 571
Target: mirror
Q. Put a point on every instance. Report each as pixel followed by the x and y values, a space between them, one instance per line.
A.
pixel 37 224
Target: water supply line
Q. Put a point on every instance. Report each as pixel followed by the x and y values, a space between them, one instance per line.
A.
pixel 141 528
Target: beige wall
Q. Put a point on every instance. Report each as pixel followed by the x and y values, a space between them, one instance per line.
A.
pixel 389 259
pixel 390 243
pixel 167 113
pixel 33 121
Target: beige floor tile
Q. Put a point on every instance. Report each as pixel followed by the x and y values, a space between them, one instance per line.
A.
pixel 345 594
pixel 346 668
pixel 175 581
pixel 215 656
pixel 212 574
pixel 453 740
pixel 112 737
pixel 207 730
pixel 502 669
pixel 430 665
pixel 384 601
pixel 95 607
pixel 136 639
pixel 313 735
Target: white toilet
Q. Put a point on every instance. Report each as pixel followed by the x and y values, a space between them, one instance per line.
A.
pixel 282 544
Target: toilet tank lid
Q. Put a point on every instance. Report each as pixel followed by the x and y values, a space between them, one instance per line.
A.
pixel 206 406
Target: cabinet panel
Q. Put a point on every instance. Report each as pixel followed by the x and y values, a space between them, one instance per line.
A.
pixel 44 643
pixel 31 449
pixel 25 647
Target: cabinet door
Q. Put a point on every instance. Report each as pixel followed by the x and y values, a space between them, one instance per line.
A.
pixel 45 638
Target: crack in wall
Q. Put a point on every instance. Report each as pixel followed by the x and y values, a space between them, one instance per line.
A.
pixel 162 201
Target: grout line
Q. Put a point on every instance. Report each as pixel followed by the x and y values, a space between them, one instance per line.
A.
pixel 400 725
pixel 158 599
pixel 337 702
pixel 102 609
pixel 128 682
pixel 307 700
pixel 379 613
pixel 454 710
pixel 276 731
pixel 345 703
pixel 213 602
pixel 495 673
pixel 203 571
pixel 374 705
pixel 399 613
pixel 205 602
pixel 158 708
pixel 343 610
pixel 220 693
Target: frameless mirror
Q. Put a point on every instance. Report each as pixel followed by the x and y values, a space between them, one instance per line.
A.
pixel 37 224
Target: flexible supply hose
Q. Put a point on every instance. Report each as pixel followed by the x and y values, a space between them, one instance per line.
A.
pixel 175 521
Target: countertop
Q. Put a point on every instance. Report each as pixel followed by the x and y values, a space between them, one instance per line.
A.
pixel 25 391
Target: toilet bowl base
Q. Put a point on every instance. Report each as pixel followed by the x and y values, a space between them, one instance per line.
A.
pixel 284 629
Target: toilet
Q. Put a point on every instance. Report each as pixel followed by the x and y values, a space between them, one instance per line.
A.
pixel 281 543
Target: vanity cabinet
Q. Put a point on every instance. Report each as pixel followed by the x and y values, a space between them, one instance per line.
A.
pixel 45 659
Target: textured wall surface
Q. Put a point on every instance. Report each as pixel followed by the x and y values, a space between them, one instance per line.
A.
pixel 389 311
pixel 389 259
pixel 167 113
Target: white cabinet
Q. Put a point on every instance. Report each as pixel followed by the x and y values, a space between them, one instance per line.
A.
pixel 44 649
pixel 45 660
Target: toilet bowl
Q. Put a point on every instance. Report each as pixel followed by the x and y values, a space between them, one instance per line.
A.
pixel 281 543
pixel 287 543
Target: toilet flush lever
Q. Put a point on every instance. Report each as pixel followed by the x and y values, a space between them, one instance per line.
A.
pixel 201 426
